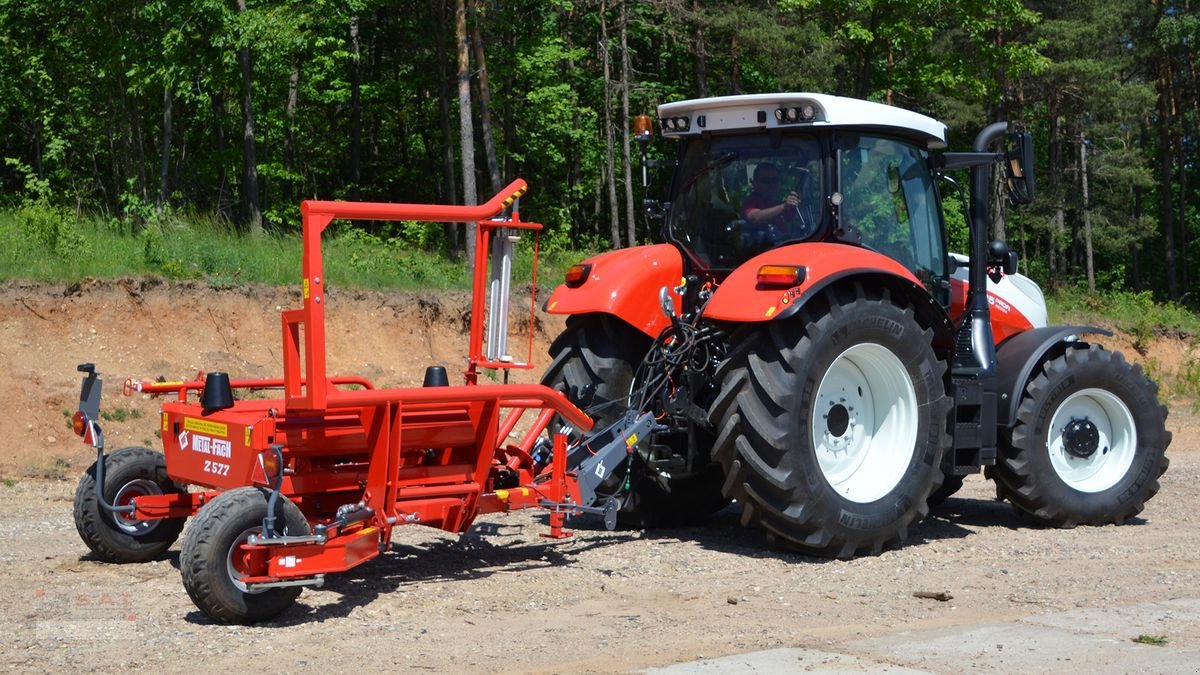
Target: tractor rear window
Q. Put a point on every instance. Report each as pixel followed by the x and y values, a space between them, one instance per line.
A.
pixel 736 196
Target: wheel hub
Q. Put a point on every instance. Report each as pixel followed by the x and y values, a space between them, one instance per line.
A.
pixel 124 520
pixel 1081 438
pixel 838 420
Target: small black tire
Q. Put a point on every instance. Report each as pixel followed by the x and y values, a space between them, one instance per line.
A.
pixel 112 536
pixel 594 362
pixel 206 561
pixel 951 484
pixel 783 431
pixel 1089 443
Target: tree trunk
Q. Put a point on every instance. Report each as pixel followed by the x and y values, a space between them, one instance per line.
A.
pixel 1135 271
pixel 609 172
pixel 224 207
pixel 735 69
pixel 289 133
pixel 466 129
pixel 701 56
pixel 250 188
pixel 355 112
pixel 1084 208
pixel 485 102
pixel 449 176
pixel 630 218
pixel 1166 113
pixel 165 165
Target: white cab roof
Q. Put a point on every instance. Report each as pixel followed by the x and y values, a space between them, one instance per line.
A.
pixel 757 111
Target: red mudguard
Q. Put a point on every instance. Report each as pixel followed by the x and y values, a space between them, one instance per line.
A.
pixel 625 283
pixel 739 298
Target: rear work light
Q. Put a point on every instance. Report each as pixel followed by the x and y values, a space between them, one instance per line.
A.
pixel 781 276
pixel 577 274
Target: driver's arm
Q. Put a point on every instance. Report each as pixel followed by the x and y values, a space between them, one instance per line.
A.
pixel 770 213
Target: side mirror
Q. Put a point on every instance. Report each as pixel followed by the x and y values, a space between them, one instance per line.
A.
pixel 1001 258
pixel 1018 167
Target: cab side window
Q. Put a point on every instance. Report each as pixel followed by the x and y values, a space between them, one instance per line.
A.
pixel 889 205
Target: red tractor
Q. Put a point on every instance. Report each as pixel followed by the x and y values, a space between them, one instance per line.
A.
pixel 816 354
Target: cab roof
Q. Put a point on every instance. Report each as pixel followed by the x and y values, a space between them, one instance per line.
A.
pixel 794 110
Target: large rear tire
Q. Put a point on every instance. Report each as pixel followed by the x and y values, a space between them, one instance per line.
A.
pixel 832 424
pixel 1089 443
pixel 116 537
pixel 211 565
pixel 595 359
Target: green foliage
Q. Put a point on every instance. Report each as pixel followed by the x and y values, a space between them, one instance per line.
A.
pixel 85 88
pixel 46 229
pixel 120 414
pixel 1154 640
pixel 194 247
pixel 1135 314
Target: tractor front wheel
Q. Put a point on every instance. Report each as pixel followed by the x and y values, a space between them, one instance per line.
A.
pixel 214 563
pixel 115 536
pixel 595 359
pixel 832 424
pixel 1089 443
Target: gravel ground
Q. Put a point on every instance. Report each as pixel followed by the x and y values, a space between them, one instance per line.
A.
pixel 503 598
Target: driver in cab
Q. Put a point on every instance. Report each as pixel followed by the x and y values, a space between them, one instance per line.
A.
pixel 763 210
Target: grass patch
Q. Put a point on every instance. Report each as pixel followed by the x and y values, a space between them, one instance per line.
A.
pixel 43 243
pixel 54 470
pixel 9 482
pixel 120 414
pixel 1135 314
pixel 1155 640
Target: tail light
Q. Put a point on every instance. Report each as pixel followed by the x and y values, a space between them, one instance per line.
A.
pixel 268 468
pixel 577 274
pixel 781 276
pixel 79 423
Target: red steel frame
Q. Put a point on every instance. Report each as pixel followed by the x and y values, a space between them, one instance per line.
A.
pixel 428 455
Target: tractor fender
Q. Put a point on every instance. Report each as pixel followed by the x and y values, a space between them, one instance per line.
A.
pixel 741 299
pixel 1018 356
pixel 624 283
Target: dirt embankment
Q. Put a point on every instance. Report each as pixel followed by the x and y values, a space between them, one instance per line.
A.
pixel 148 329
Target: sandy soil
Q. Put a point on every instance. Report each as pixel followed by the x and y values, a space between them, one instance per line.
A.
pixel 500 597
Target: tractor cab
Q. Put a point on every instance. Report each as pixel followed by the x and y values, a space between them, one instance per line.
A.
pixel 827 169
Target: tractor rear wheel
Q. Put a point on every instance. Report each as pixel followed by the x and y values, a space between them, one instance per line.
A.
pixel 595 359
pixel 832 424
pixel 213 563
pixel 1089 443
pixel 116 537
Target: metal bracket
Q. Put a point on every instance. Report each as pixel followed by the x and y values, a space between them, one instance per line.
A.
pixel 596 457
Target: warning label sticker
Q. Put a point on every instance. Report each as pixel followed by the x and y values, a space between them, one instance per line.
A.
pixel 206 427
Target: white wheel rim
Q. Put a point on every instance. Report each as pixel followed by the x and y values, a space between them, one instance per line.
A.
pixel 1088 468
pixel 124 497
pixel 864 423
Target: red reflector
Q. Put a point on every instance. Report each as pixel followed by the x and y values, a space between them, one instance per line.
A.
pixel 784 276
pixel 578 274
pixel 78 425
pixel 267 470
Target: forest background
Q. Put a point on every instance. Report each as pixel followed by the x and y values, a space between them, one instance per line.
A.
pixel 146 120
